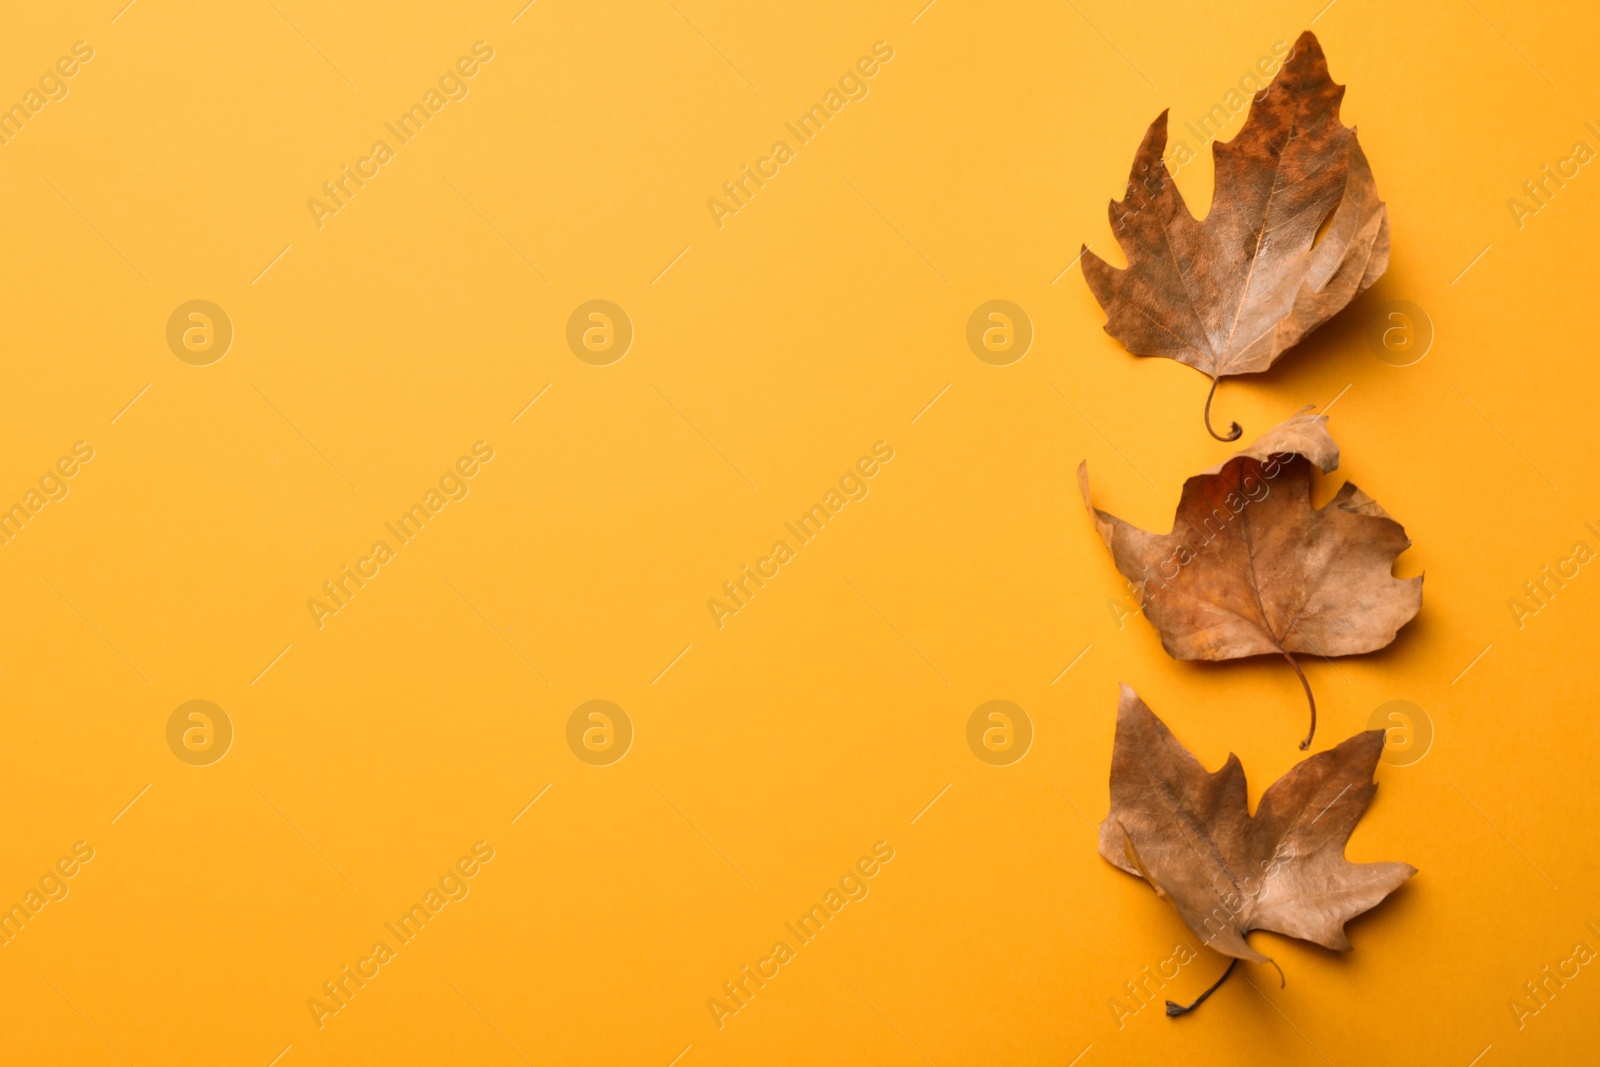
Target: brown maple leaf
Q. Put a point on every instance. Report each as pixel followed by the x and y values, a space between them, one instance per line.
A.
pixel 1295 232
pixel 1251 568
pixel 1190 834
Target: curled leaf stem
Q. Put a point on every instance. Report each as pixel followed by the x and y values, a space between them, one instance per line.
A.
pixel 1310 699
pixel 1235 430
pixel 1174 1009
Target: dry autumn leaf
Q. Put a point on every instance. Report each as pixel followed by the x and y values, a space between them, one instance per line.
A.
pixel 1190 834
pixel 1251 568
pixel 1295 232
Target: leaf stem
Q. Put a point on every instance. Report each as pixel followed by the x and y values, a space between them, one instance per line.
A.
pixel 1174 1010
pixel 1234 432
pixel 1310 699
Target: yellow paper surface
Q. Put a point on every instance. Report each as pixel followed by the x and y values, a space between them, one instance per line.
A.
pixel 432 317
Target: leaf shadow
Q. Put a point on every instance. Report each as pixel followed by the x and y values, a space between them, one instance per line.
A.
pixel 1342 347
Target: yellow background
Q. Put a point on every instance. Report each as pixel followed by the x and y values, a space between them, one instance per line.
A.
pixel 826 716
